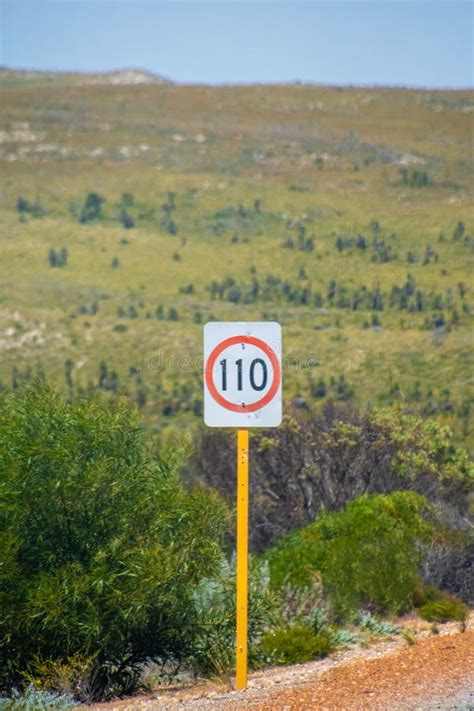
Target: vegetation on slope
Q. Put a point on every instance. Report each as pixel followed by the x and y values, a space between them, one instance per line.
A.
pixel 132 215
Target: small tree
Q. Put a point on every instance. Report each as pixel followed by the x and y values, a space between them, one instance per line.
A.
pixel 458 231
pixel 127 220
pixel 68 368
pixel 52 257
pixel 62 257
pixel 127 200
pixel 58 258
pixel 92 208
pixel 172 227
pixel 22 205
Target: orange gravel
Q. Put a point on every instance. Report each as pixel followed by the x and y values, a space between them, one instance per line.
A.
pixel 434 667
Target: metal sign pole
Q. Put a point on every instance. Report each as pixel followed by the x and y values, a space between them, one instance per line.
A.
pixel 242 557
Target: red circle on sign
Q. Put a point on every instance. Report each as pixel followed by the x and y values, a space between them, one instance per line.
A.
pixel 251 340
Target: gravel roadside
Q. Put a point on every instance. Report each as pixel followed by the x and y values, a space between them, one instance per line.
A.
pixel 436 673
pixel 463 700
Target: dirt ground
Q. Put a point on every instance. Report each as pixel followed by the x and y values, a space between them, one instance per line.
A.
pixel 420 671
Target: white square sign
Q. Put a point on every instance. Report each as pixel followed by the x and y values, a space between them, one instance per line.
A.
pixel 242 374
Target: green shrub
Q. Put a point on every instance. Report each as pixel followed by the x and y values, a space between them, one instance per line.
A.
pixel 444 609
pixel 34 700
pixel 415 178
pixel 92 208
pixel 22 205
pixel 428 593
pixel 369 626
pixel 342 637
pixel 127 200
pixel 378 628
pixel 296 644
pixel 367 554
pixel 304 604
pixel 58 258
pixel 126 219
pixel 101 546
pixel 214 602
pixel 34 209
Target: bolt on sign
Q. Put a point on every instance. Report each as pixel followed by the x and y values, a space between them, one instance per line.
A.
pixel 242 389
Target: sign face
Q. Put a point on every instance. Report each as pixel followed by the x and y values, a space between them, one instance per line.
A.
pixel 242 374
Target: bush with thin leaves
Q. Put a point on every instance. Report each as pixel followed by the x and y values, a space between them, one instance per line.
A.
pixel 101 546
pixel 442 607
pixel 367 554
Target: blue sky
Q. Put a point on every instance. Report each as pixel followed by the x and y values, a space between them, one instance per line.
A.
pixel 408 42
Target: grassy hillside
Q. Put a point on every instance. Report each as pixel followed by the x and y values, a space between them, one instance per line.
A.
pixel 344 213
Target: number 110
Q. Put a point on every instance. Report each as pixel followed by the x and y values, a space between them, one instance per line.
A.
pixel 256 362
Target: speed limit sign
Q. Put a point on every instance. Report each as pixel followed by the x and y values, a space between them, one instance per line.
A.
pixel 242 374
pixel 242 388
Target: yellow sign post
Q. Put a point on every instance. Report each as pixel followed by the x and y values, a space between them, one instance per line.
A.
pixel 242 556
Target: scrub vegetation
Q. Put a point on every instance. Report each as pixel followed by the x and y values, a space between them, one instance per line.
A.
pixel 131 215
pixel 109 563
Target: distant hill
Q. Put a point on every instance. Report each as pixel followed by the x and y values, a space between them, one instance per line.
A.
pixel 9 78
